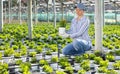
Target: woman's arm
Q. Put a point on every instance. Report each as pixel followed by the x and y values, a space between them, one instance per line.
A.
pixel 70 30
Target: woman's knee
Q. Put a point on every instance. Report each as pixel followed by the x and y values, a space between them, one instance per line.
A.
pixel 64 51
pixel 67 49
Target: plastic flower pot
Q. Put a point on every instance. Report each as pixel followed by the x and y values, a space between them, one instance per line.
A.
pixel 117 57
pixel 39 56
pixel 34 67
pixel 77 66
pixel 61 30
pixel 54 66
pixel 7 59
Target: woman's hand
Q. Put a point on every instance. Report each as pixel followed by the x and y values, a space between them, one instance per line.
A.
pixel 65 35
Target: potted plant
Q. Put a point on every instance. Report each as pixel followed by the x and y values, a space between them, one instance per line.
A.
pixel 60 72
pixel 64 64
pixel 38 49
pixel 104 63
pixel 32 54
pixel 33 60
pixel 25 67
pixel 97 60
pixel 110 57
pixel 78 59
pixel 48 69
pixel 117 46
pixel 43 62
pixel 17 55
pixel 102 70
pixel 82 71
pixel 54 61
pixel 54 48
pixel 117 52
pixel 3 68
pixel 92 56
pixel 18 62
pixel 8 52
pixel 85 65
pixel 112 72
pixel 62 27
pixel 86 56
pixel 15 47
pixel 116 65
pixel 110 47
pixel 98 53
pixel 69 70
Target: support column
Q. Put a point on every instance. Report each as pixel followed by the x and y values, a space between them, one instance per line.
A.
pixel 20 21
pixel 5 13
pixel 115 6
pixel 35 11
pixel 9 10
pixel 54 13
pixel 47 12
pixel 99 17
pixel 30 24
pixel 1 15
pixel 62 9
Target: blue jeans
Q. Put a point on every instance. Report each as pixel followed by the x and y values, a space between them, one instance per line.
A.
pixel 76 48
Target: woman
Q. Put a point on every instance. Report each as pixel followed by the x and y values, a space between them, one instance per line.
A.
pixel 79 33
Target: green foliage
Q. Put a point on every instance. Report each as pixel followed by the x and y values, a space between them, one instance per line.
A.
pixel 92 56
pixel 110 57
pixel 0 55
pixel 86 56
pixel 112 72
pixel 25 67
pixel 15 47
pixel 78 59
pixel 43 62
pixel 1 48
pixel 117 52
pixel 82 71
pixel 104 63
pixel 38 49
pixel 85 65
pixel 48 52
pixel 97 60
pixel 116 65
pixel 54 59
pixel 23 51
pixel 47 69
pixel 69 70
pixel 18 62
pixel 102 69
pixel 54 47
pixel 63 59
pixel 3 68
pixel 65 64
pixel 32 54
pixel 60 72
pixel 63 23
pixel 33 60
pixel 8 52
pixel 97 52
pixel 111 47
pixel 17 55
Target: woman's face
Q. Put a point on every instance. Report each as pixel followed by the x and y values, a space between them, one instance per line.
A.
pixel 79 12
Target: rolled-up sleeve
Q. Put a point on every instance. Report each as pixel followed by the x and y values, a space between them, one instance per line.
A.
pixel 82 29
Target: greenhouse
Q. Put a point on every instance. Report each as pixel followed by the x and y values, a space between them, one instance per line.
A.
pixel 59 36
